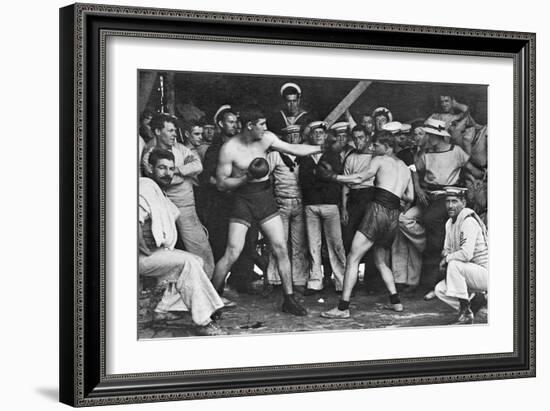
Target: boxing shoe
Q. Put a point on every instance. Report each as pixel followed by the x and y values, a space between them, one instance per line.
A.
pixel 291 306
pixel 336 313
pixel 258 168
pixel 397 307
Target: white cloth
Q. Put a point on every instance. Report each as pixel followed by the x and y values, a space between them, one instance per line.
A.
pixel 407 248
pixel 356 163
pixel 191 287
pixel 163 213
pixel 466 239
pixel 325 218
pixel 442 167
pixel 462 280
pixel 285 182
pixel 467 257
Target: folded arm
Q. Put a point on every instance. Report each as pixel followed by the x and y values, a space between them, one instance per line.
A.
pixel 191 166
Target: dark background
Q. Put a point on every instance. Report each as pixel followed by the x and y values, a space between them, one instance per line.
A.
pixel 406 100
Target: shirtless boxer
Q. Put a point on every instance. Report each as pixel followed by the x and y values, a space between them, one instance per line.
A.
pixel 243 169
pixel 392 183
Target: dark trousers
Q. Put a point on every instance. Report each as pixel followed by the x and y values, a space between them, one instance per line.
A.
pixel 357 204
pixel 215 214
pixel 434 218
pixel 201 198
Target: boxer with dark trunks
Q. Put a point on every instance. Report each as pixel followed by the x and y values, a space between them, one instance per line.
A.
pixel 393 183
pixel 381 219
pixel 243 169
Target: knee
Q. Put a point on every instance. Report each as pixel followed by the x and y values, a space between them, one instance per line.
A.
pixel 279 249
pixel 378 260
pixel 453 267
pixel 354 256
pixel 232 253
pixel 440 289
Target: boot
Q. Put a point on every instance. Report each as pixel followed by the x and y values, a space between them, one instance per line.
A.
pixel 291 306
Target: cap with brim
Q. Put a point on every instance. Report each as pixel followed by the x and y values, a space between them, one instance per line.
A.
pixel 393 127
pixel 291 85
pixel 295 128
pixel 340 126
pixel 451 191
pixel 317 124
pixel 436 127
pixel 220 110
pixel 382 111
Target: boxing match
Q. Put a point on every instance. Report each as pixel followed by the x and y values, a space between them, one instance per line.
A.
pixel 269 204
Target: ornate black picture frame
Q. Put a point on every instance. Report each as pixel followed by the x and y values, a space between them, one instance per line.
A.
pixel 83 31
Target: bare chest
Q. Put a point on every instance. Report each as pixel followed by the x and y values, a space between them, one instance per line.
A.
pixel 243 155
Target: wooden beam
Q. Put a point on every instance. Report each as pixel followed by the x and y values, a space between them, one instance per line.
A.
pixel 347 101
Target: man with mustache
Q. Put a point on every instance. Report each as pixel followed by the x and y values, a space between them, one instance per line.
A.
pixel 181 271
pixel 180 190
pixel 464 258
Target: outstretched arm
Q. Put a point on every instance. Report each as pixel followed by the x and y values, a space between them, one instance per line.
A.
pixel 300 150
pixel 358 178
pixel 224 181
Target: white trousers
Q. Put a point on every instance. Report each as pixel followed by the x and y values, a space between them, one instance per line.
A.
pixel 292 214
pixel 319 218
pixel 192 286
pixel 462 280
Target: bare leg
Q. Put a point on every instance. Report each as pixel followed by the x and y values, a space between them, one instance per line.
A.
pixel 275 233
pixel 359 246
pixel 235 243
pixel 381 259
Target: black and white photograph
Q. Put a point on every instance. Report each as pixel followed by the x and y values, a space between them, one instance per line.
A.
pixel 264 202
pixel 284 204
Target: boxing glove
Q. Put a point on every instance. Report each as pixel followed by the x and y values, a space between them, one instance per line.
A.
pixel 258 168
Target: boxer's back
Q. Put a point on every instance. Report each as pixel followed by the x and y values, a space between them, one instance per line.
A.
pixel 392 175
